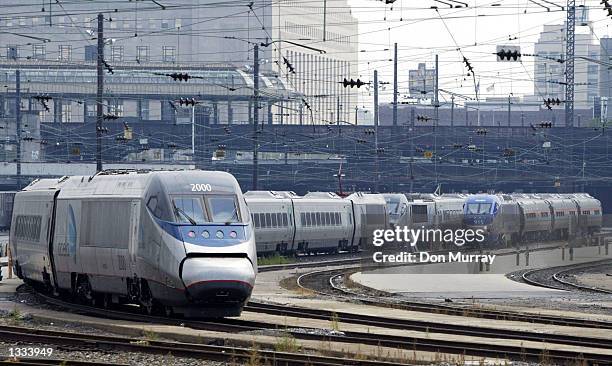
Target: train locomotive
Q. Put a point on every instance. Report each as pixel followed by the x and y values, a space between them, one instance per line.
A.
pixel 170 241
pixel 318 222
pixel 511 218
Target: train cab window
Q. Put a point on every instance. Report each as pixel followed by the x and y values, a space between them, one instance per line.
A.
pixel 274 220
pixel 285 221
pixel 223 209
pixel 189 210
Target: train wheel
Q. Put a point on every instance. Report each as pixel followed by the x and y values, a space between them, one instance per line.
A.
pixel 84 293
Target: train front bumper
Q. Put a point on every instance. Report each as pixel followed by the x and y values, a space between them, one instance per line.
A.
pixel 218 280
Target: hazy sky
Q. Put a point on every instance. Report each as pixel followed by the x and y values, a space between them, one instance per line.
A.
pixel 422 32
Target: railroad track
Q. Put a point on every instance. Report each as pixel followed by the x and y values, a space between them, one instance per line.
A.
pixel 28 361
pixel 474 348
pixel 555 280
pixel 323 278
pixel 177 349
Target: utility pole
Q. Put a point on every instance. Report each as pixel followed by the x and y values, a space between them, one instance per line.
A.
pixel 255 112
pixel 452 121
pixel 338 115
pixel 99 102
pixel 356 109
pixel 395 86
pixel 376 129
pixel 509 112
pixel 436 118
pixel 324 20
pixel 193 131
pixel 569 63
pixel 18 124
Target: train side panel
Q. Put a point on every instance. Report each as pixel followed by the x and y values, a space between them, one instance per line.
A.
pixel 31 229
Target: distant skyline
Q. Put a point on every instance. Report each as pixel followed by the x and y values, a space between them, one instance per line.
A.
pixel 422 32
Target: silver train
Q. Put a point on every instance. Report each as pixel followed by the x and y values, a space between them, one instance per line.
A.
pixel 425 210
pixel 171 241
pixel 519 217
pixel 319 222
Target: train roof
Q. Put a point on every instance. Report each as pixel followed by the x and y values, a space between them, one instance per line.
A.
pixel 132 183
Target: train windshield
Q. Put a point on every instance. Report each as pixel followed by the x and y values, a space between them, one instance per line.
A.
pixel 478 208
pixel 197 210
pixel 392 207
pixel 189 210
pixel 223 209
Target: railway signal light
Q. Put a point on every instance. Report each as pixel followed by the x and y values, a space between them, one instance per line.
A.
pixel 43 99
pixel 508 53
pixel 179 76
pixel 353 83
pixel 369 131
pixel 481 131
pixel 545 125
pixel 102 129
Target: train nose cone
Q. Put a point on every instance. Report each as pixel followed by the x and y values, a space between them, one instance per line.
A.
pixel 218 280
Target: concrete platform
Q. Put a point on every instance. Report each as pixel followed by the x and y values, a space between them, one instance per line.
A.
pixel 452 285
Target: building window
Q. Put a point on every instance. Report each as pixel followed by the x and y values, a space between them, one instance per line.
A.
pixel 144 110
pixel 168 54
pixel 142 53
pixel 66 112
pixel 38 51
pixel 115 108
pixel 165 24
pixel 91 53
pixel 65 52
pixel 12 52
pixel 117 53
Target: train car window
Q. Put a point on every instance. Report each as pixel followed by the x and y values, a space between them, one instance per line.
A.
pixel 333 218
pixel 302 219
pixel 596 212
pixel 308 218
pixel 319 219
pixel 285 221
pixel 419 213
pixel 223 209
pixel 326 218
pixel 256 220
pixel 586 212
pixel 188 209
pixel 279 218
pixel 274 220
pixel 152 204
pixel 268 220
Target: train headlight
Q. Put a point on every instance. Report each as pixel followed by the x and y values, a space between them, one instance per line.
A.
pixel 219 234
pixel 205 234
pixel 233 234
pixel 191 234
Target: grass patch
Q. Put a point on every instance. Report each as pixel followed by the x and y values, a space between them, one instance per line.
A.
pixel 287 343
pixel 275 259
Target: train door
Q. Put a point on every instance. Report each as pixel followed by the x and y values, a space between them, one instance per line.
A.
pixel 134 235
